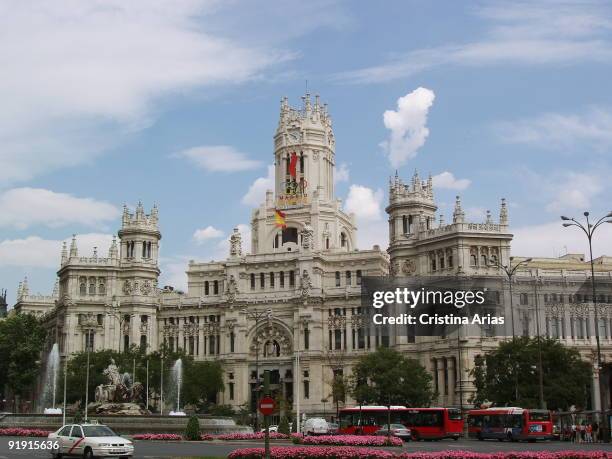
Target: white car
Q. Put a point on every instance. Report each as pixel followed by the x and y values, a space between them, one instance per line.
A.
pixel 89 441
pixel 315 426
pixel 270 429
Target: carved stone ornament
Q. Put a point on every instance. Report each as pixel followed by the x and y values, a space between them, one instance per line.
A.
pixel 146 288
pixel 306 285
pixel 409 266
pixel 271 342
pixel 307 237
pixel 128 288
pixel 232 289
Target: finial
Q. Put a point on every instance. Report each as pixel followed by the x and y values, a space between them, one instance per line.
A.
pixel 74 251
pixel 503 213
pixel 64 252
pixel 458 214
pixel 489 219
pixel 441 220
pixel 95 252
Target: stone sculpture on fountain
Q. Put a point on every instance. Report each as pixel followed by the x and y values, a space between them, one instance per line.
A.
pixel 121 395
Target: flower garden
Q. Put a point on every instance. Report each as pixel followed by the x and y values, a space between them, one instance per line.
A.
pixel 348 452
pixel 347 440
pixel 19 432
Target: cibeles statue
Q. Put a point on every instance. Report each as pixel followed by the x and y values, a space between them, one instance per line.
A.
pixel 120 395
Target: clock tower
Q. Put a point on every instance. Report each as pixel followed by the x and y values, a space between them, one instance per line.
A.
pixel 304 157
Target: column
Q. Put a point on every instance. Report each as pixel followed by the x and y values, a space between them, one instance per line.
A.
pixel 452 389
pixel 595 389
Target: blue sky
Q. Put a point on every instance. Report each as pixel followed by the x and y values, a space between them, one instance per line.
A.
pixel 176 103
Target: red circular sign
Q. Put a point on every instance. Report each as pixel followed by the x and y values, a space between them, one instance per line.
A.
pixel 267 406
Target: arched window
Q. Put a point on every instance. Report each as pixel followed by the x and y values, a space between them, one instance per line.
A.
pixel 473 260
pixel 343 240
pixel 275 244
pixel 282 279
pixel 348 278
pixel 143 342
pixel 92 286
pixel 404 224
pixel 483 260
pixel 337 278
pixel 327 243
pixel 83 288
pixel 216 287
pixel 126 343
pixel 252 281
pixel 102 288
pixel 206 288
pixel 262 280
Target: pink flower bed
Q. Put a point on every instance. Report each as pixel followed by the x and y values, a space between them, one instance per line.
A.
pixel 161 436
pixel 19 432
pixel 348 440
pixel 251 436
pixel 284 452
pixel 349 452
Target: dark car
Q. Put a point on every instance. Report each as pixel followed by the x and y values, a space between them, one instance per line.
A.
pixel 397 430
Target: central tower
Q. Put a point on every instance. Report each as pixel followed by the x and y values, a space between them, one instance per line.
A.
pixel 304 159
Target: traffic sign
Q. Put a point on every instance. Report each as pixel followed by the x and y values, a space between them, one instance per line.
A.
pixel 267 406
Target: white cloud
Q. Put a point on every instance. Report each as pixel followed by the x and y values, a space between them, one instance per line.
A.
pixel 364 202
pixel 447 180
pixel 36 252
pixel 341 173
pixel 531 33
pixel 552 240
pixel 407 125
pixel 24 207
pixel 559 131
pixel 574 191
pixel 256 193
pixel 81 73
pixel 219 158
pixel 204 234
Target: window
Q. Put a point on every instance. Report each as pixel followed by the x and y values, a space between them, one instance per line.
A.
pixel 450 260
pixel 64 432
pixel 348 278
pixel 524 299
pixel 206 288
pixel 271 279
pixel 337 278
pixel 83 288
pixel 216 287
pixel 89 340
pixel 404 224
pixel 76 432
pixel 327 243
pixel 282 279
pixel 232 341
pixel 291 278
pixel 191 345
pixel 358 276
pixel 252 281
pixel 126 343
pixel 306 389
pixel 306 338
pixel 143 342
pixel 442 262
pixel 343 241
pixel 100 319
pixel 92 287
pixel 337 339
pixel 102 288
pixel 231 391
pixel 433 263
pixel 483 260
pixel 290 235
pixel 473 260
pixel 262 280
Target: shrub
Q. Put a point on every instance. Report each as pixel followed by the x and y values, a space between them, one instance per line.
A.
pixel 283 426
pixel 192 431
pixel 349 440
pixel 327 452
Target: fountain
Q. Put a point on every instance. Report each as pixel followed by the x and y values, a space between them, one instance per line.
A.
pixel 120 395
pixel 50 387
pixel 177 380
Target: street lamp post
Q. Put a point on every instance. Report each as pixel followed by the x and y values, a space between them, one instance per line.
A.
pixel 257 316
pixel 589 230
pixel 510 270
pixel 88 348
pixel 540 367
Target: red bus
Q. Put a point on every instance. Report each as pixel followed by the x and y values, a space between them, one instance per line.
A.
pixel 511 424
pixel 424 423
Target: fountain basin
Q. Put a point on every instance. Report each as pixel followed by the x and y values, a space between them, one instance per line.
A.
pixel 177 413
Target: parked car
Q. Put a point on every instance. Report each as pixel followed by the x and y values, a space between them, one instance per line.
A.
pixel 315 426
pixel 90 440
pixel 397 430
pixel 270 429
pixel 332 428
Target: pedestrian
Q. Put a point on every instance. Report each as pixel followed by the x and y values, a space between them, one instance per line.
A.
pixel 595 432
pixel 588 432
pixel 579 432
pixel 573 433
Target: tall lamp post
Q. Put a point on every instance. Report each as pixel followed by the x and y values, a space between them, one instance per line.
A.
pixel 258 316
pixel 510 270
pixel 589 230
pixel 540 366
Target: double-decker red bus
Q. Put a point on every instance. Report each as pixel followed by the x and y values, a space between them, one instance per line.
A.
pixel 511 424
pixel 424 423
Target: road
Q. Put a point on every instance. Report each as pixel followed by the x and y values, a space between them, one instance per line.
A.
pixel 157 449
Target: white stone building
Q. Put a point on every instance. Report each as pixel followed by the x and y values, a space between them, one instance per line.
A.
pixel 303 282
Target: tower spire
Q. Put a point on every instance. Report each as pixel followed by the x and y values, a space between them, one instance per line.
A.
pixel 458 214
pixel 503 213
pixel 74 251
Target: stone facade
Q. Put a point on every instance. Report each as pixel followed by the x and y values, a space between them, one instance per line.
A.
pixel 292 305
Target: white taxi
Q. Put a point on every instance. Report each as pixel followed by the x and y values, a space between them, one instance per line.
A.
pixel 89 441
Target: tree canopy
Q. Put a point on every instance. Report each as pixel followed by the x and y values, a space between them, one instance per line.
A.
pixel 22 338
pixel 386 377
pixel 513 367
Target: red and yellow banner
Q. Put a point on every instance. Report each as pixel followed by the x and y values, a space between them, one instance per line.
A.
pixel 279 219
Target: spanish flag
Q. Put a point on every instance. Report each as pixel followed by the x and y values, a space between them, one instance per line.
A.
pixel 279 219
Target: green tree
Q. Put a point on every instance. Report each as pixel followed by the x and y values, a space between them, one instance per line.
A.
pixel 513 367
pixel 201 381
pixel 192 431
pixel 283 426
pixel 386 377
pixel 21 342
